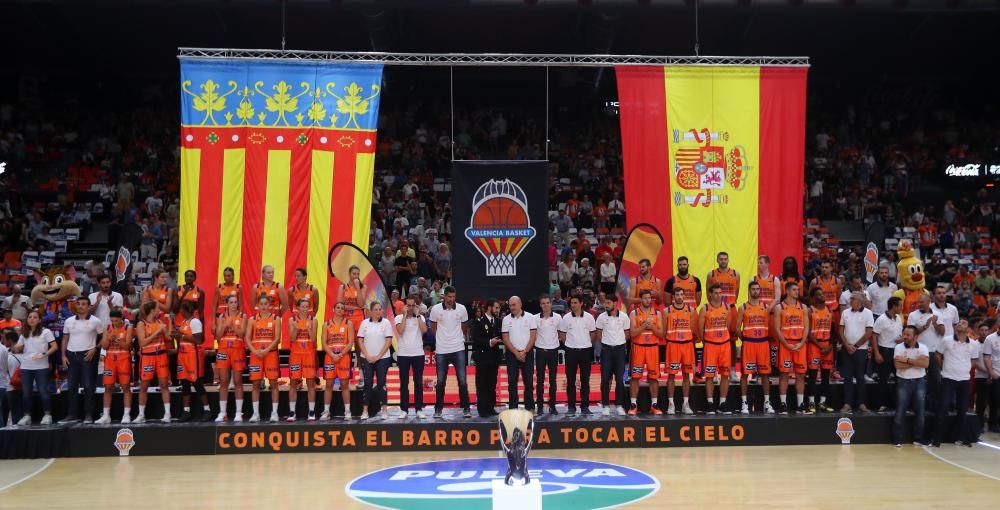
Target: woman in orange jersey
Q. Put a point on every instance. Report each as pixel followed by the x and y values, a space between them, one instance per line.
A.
pixel 227 288
pixel 714 325
pixel 117 342
pixel 190 337
pixel 680 327
pixel 189 292
pixel 276 297
pixel 820 351
pixel 791 326
pixel 351 293
pixel 262 338
pixel 302 362
pixel 752 325
pixel 159 293
pixel 154 342
pixel 231 356
pixel 302 290
pixel 338 340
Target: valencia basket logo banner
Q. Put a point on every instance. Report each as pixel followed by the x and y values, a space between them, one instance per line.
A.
pixel 500 226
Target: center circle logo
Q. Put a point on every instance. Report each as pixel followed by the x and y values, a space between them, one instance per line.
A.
pixel 468 484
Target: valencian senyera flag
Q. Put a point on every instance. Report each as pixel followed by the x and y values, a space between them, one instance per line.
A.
pixel 714 162
pixel 277 162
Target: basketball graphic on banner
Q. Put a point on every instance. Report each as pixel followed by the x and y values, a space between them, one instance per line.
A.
pixel 499 228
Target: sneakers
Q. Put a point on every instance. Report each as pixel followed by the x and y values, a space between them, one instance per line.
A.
pixel 620 411
pixel 291 418
pixel 768 408
pixel 898 445
pixel 325 416
pixel 467 412
pixel 633 410
pixel 46 420
pixel 88 421
pixel 185 417
pixel 863 408
pixel 804 409
pixel 846 409
pixel 782 408
pixel 364 415
pixel 744 408
pixel 571 411
pixel 711 408
pixel 69 419
pixel 104 420
pixel 585 410
pixel 166 418
pixel 655 410
pixel 605 411
pixel 826 408
pixel 687 409
pixel 238 417
pixel 811 409
pixel 274 417
pixel 883 409
pixel 221 418
pixel 24 421
pixel 254 419
pixel 311 416
pixel 438 413
pixel 126 419
pixel 206 416
pixel 552 411
pixel 670 409
pixel 140 419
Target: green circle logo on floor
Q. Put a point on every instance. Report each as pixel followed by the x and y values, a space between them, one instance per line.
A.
pixel 467 484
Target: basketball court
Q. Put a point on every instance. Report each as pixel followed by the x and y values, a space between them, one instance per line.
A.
pixel 735 476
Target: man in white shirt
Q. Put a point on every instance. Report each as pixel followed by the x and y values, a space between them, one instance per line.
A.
pixel 856 326
pixel 614 328
pixel 854 285
pixel 888 333
pixel 929 332
pixel 911 359
pixel 546 354
pixel 79 356
pixel 991 358
pixel 411 327
pixel 18 304
pixel 946 312
pixel 450 324
pixel 518 331
pixel 955 355
pixel 578 332
pixel 105 300
pixel 880 291
pixel 375 337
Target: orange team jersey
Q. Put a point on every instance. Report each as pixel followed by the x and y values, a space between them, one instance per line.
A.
pixel 820 323
pixel 648 337
pixel 690 286
pixel 335 338
pixel 649 284
pixel 160 344
pixel 302 361
pixel 308 293
pixel 831 291
pixel 793 322
pixel 154 360
pixel 190 359
pixel 755 321
pixel 716 324
pixel 117 363
pixel 223 292
pixel 160 297
pixel 265 330
pixel 911 301
pixel 351 300
pixel 194 296
pixel 302 342
pixel 679 324
pixel 768 291
pixel 729 281
pixel 273 292
pixel 231 353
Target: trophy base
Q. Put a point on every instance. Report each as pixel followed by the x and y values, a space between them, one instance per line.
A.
pixel 521 497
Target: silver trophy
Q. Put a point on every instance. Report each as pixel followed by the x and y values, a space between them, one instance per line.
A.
pixel 516 434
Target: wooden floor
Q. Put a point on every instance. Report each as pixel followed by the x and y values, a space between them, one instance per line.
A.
pixel 730 477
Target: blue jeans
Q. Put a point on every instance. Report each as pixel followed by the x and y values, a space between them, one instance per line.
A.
pixel 909 391
pixel 31 379
pixel 406 363
pixel 443 360
pixel 379 369
pixel 81 371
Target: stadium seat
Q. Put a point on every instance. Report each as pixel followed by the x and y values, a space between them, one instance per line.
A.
pixel 30 260
pixel 950 252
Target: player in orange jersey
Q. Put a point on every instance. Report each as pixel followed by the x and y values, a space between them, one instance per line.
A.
pixel 714 322
pixel 231 356
pixel 681 321
pixel 188 292
pixel 227 288
pixel 338 340
pixel 352 293
pixel 728 279
pixel 752 321
pixel 117 342
pixel 277 298
pixel 827 282
pixel 159 293
pixel 685 281
pixel 190 337
pixel 262 338
pixel 791 326
pixel 646 331
pixel 302 361
pixel 646 281
pixel 820 350
pixel 770 285
pixel 302 290
pixel 154 336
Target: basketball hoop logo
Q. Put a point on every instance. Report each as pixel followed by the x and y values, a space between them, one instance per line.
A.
pixel 845 430
pixel 124 441
pixel 499 228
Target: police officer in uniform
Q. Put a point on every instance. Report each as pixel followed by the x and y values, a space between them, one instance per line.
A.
pixel 487 353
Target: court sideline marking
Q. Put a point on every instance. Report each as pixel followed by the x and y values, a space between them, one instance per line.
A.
pixel 928 450
pixel 30 476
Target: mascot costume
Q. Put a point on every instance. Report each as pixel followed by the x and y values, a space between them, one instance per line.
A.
pixel 56 288
pixel 910 271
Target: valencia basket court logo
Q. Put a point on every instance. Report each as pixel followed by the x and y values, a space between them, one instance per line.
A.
pixel 467 484
pixel 124 441
pixel 499 228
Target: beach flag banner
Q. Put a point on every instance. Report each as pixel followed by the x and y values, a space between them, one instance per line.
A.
pixel 714 162
pixel 643 242
pixel 277 162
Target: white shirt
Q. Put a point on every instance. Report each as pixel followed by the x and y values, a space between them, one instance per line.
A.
pixel 613 328
pixel 17 311
pixel 36 345
pixel 888 330
pixel 948 316
pixel 958 356
pixel 855 324
pixel 845 298
pixel 374 335
pixel 991 348
pixel 519 329
pixel 5 361
pixel 980 372
pixel 929 336
pixel 82 333
pixel 904 353
pixel 449 336
pixel 880 296
pixel 547 336
pixel 578 330
pixel 196 326
pixel 411 343
pixel 102 310
pixel 608 272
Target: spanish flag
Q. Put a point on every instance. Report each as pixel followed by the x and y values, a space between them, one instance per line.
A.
pixel 714 162
pixel 277 165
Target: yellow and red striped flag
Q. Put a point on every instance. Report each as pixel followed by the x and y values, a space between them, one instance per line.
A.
pixel 277 164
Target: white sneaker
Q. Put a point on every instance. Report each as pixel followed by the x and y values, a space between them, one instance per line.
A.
pixel 605 410
pixel 274 417
pixel 166 418
pixel 103 420
pixel 238 418
pixel 290 419
pixel 126 419
pixel 411 413
pixel 26 420
pixel 325 416
pixel 670 409
pixel 47 419
pixel 221 418
pixel 744 409
pixel 255 418
pixel 620 411
pixel 687 409
pixel 140 419
pixel 428 412
pixel 767 407
pixel 364 415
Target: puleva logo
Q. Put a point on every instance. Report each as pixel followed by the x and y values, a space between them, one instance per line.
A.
pixel 500 228
pixel 467 484
pixel 124 441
